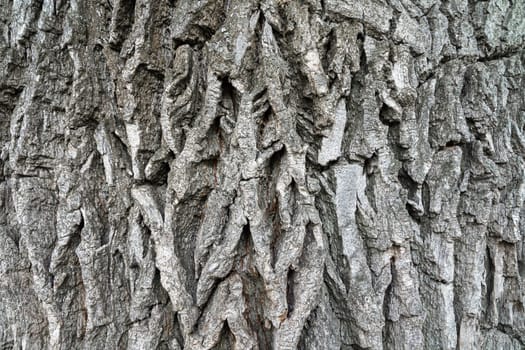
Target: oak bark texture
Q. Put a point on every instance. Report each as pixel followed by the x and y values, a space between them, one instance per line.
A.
pixel 262 174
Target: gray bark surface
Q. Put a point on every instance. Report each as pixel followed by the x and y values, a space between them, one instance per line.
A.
pixel 262 174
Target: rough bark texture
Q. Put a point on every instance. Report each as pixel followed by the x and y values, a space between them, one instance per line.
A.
pixel 262 174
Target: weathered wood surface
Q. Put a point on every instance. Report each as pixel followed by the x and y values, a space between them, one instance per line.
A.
pixel 262 174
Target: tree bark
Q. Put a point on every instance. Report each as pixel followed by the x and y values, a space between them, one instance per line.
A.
pixel 262 174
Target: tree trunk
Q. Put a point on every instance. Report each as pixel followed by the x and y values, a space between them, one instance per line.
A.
pixel 262 174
